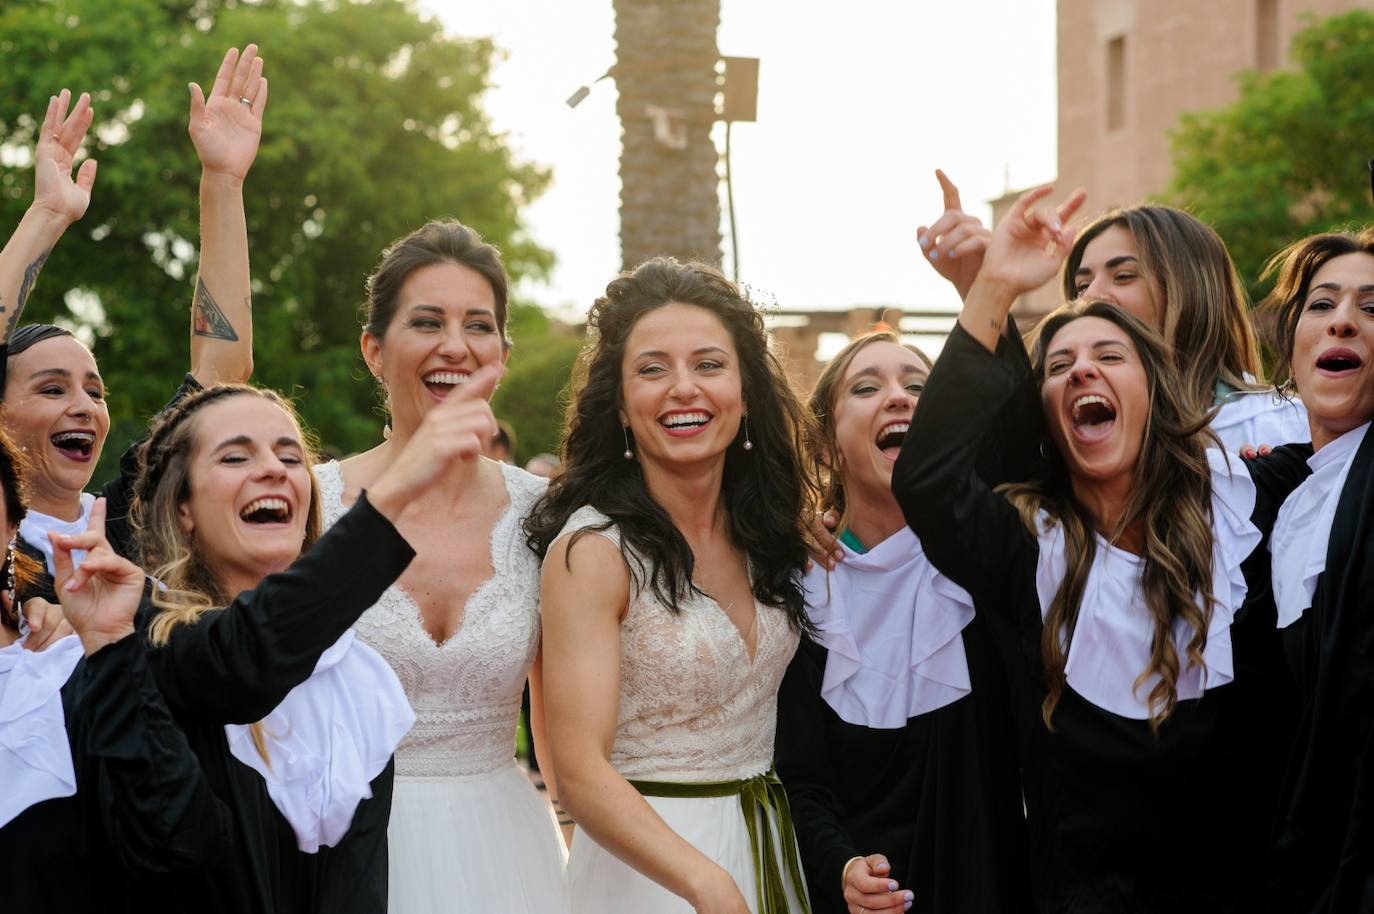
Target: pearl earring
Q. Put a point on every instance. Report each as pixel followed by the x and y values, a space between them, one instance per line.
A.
pixel 629 454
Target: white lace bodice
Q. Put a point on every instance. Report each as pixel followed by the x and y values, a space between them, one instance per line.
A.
pixel 693 707
pixel 466 691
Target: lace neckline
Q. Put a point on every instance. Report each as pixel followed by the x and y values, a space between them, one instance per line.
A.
pixel 510 515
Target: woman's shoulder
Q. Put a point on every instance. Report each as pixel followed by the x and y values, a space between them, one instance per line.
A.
pixel 524 487
pixel 591 520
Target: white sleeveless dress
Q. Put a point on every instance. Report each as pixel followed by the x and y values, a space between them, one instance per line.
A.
pixel 693 709
pixel 468 833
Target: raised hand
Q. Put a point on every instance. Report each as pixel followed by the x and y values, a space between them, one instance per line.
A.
pixel 101 597
pixel 455 430
pixel 55 192
pixel 954 243
pixel 1030 243
pixel 227 126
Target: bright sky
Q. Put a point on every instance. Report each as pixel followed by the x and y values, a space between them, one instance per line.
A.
pixel 856 110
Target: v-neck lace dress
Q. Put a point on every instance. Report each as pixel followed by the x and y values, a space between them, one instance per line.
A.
pixel 468 831
pixel 694 708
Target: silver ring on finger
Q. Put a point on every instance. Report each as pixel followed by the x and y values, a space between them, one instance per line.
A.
pixel 245 100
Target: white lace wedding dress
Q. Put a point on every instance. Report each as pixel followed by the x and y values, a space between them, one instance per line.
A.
pixel 468 833
pixel 694 709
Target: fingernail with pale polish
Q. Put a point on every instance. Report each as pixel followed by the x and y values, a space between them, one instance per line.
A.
pixel 891 886
pixel 923 241
pixel 908 897
pixel 934 255
pixel 907 906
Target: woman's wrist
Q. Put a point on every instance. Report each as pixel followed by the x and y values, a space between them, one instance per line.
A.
pixel 92 641
pixel 49 224
pixel 221 181
pixel 844 873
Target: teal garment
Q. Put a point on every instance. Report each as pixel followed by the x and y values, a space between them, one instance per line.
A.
pixel 1222 392
pixel 849 539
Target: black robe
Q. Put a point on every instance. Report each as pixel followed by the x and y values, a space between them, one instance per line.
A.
pixel 1323 855
pixel 1120 818
pixel 233 666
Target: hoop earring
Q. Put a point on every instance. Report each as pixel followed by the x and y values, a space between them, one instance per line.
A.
pixel 748 445
pixel 625 431
pixel 1043 453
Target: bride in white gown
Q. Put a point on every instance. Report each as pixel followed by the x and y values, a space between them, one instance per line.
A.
pixel 461 627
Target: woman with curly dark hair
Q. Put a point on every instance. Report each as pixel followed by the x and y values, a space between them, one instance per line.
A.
pixel 672 601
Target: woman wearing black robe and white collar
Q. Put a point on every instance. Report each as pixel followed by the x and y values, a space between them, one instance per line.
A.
pixel 1323 573
pixel 1115 589
pixel 225 502
pixel 54 397
pixel 895 738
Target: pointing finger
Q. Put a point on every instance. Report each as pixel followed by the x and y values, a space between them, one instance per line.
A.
pixel 951 192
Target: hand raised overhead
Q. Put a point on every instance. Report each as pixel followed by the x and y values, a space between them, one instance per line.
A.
pixel 59 139
pixel 954 243
pixel 453 431
pixel 101 597
pixel 226 127
pixel 1030 243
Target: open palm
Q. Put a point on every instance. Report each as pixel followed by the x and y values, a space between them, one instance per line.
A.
pixel 1028 246
pixel 224 128
pixel 59 139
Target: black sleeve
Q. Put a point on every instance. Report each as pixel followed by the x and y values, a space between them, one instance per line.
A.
pixel 807 771
pixel 236 664
pixel 118 492
pixel 1010 450
pixel 971 534
pixel 156 810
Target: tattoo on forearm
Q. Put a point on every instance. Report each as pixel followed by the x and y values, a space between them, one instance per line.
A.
pixel 25 286
pixel 207 318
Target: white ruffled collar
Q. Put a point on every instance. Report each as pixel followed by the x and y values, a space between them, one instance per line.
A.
pixel 1111 640
pixel 327 740
pixel 1302 531
pixel 36 526
pixel 892 625
pixel 35 756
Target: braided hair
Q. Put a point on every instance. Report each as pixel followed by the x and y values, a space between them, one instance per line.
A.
pixel 163 485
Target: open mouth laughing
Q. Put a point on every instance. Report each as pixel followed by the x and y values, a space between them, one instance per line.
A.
pixel 685 423
pixel 440 383
pixel 891 436
pixel 1339 362
pixel 75 444
pixel 1092 418
pixel 267 510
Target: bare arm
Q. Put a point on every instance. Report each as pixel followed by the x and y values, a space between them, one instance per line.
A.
pixel 539 736
pixel 226 132
pixel 58 201
pixel 582 607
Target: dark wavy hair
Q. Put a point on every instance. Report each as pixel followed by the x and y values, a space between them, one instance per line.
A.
pixel 764 490
pixel 1295 266
pixel 1172 500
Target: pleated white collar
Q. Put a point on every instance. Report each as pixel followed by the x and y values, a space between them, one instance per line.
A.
pixel 1112 638
pixel 892 625
pixel 36 526
pixel 327 740
pixel 35 756
pixel 1302 531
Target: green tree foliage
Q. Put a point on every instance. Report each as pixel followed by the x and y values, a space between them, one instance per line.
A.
pixel 533 393
pixel 374 125
pixel 1287 158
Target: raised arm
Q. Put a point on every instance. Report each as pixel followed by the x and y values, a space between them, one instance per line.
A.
pixel 58 201
pixel 225 127
pixel 585 590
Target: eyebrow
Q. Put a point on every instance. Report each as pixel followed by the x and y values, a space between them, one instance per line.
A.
pixel 244 440
pixel 873 371
pixel 435 309
pixel 1100 344
pixel 1112 262
pixel 660 354
pixel 1336 287
pixel 63 373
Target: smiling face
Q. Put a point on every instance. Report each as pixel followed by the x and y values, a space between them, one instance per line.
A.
pixel 681 392
pixel 249 490
pixel 871 414
pixel 444 328
pixel 1333 347
pixel 1110 271
pixel 55 412
pixel 1096 399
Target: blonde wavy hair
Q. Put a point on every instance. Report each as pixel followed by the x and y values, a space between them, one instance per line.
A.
pixel 1171 500
pixel 190 585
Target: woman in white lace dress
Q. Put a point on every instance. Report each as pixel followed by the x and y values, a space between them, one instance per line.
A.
pixel 461 626
pixel 672 602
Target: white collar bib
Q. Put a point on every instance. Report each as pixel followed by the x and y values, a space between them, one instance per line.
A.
pixel 36 526
pixel 1112 638
pixel 1302 531
pixel 892 625
pixel 35 756
pixel 327 740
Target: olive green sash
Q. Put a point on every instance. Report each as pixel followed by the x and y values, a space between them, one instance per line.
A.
pixel 758 796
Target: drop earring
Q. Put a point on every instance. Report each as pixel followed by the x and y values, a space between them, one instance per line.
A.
pixel 9 573
pixel 629 454
pixel 748 445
